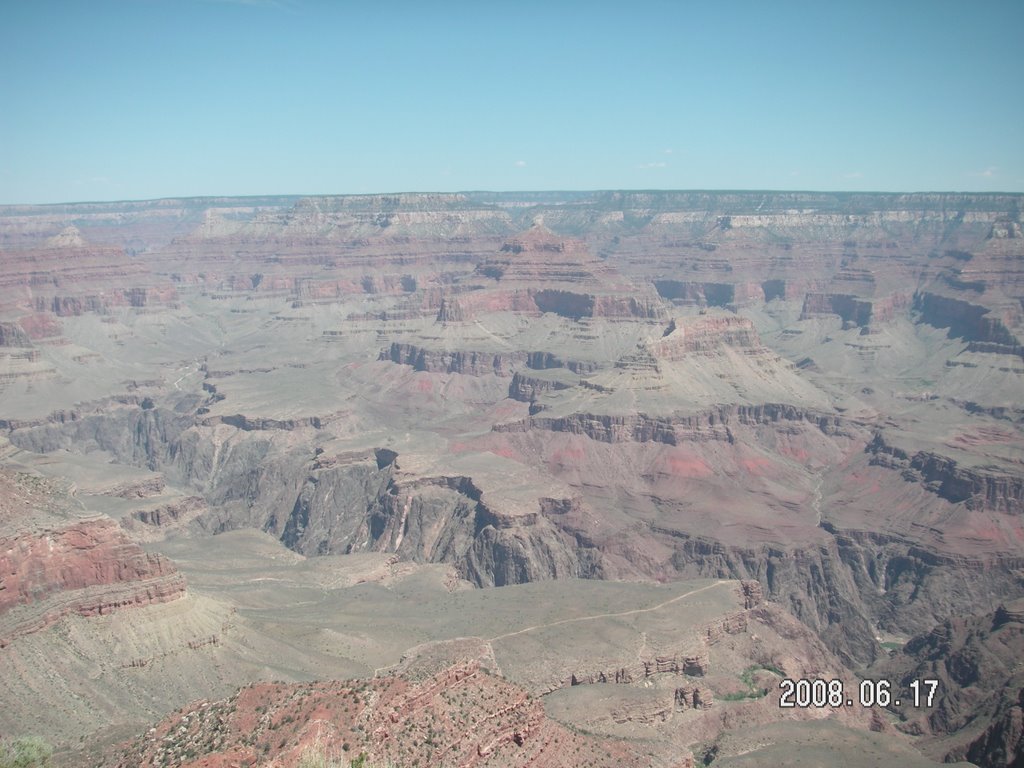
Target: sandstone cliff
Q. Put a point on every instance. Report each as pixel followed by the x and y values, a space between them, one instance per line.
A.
pixel 54 564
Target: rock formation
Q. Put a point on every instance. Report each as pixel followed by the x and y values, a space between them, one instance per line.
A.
pixel 977 711
pixel 54 565
pixel 819 393
pixel 460 716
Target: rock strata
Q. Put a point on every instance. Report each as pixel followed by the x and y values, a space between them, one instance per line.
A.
pixel 52 566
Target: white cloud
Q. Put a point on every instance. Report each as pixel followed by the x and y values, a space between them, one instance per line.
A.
pixel 854 175
pixel 520 163
pixel 988 173
pixel 653 165
pixel 667 152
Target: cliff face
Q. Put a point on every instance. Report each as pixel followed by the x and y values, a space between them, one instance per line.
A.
pixel 358 506
pixel 460 361
pixel 52 566
pixel 978 709
pixel 527 389
pixel 975 487
pixel 711 425
pixel 964 319
pixel 706 335
pixel 854 311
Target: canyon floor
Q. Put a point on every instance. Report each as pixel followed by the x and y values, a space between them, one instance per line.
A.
pixel 513 479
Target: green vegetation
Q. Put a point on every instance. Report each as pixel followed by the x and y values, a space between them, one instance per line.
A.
pixel 740 695
pixel 890 646
pixel 317 757
pixel 26 752
pixel 747 676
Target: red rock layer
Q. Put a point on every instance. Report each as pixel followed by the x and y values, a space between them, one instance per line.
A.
pixel 72 566
pixel 462 716
pixel 706 335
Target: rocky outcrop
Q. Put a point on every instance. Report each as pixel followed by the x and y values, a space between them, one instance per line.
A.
pixel 977 488
pixel 907 587
pixel 578 305
pixel 811 583
pixel 607 429
pixel 706 336
pixel 565 303
pixel 89 568
pixel 527 389
pixel 697 293
pixel 694 697
pixel 541 271
pixel 465 362
pixel 134 435
pixel 450 311
pixel 976 713
pixel 169 514
pixel 141 488
pixel 713 424
pixel 260 424
pixel 154 523
pixel 855 311
pixel 543 360
pixel 459 716
pixel 689 663
pixel 12 335
pixel 965 320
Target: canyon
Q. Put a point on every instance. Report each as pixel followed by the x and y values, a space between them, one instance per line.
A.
pixel 607 465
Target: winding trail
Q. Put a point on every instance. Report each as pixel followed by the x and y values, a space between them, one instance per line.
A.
pixel 191 368
pixel 633 612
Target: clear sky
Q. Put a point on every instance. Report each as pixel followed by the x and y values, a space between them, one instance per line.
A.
pixel 132 99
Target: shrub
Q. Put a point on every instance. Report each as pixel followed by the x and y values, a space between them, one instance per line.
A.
pixel 26 752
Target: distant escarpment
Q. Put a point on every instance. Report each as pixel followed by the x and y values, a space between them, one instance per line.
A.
pixel 965 320
pixel 855 311
pixel 705 335
pixel 979 488
pixel 907 587
pixel 471 363
pixel 67 276
pixel 712 294
pixel 713 424
pixel 133 434
pixel 542 271
pixel 314 505
pixel 527 388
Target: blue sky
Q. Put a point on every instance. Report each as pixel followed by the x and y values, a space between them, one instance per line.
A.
pixel 134 99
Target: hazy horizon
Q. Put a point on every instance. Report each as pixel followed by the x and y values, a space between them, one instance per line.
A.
pixel 149 99
pixel 514 192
